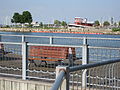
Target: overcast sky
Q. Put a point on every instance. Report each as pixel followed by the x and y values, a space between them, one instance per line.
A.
pixel 48 10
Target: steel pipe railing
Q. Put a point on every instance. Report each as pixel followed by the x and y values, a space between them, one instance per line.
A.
pixel 80 67
pixel 58 80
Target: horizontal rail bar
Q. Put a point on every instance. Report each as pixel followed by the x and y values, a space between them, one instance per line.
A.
pixel 80 67
pixel 32 44
pixel 36 36
pixel 10 43
pixel 12 75
pixel 24 35
pixel 41 36
pixel 54 37
pixel 94 47
pixel 58 80
pixel 46 79
pixel 68 37
pixel 103 38
pixel 80 46
pixel 10 35
pixel 61 37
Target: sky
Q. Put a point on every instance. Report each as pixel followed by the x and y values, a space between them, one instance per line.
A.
pixel 47 11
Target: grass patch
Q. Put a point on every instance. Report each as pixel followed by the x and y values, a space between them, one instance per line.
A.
pixel 115 29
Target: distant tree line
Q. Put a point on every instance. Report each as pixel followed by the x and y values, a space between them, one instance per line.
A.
pixel 59 23
pixel 26 17
pixel 105 23
pixel 115 26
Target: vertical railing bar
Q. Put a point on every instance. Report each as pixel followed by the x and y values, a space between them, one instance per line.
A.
pixel 118 74
pixel 99 78
pixel 23 38
pixel 0 38
pixel 93 78
pixel 84 40
pixel 89 72
pixel 84 61
pixel 77 81
pixel 109 74
pixel 116 79
pixel 51 40
pixel 113 75
pixel 96 77
pixel 105 77
pixel 24 60
pixel 67 78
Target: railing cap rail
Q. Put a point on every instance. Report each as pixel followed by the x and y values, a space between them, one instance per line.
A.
pixel 80 67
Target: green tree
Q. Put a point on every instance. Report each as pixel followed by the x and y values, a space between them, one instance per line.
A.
pixel 119 23
pixel 41 24
pixel 106 23
pixel 12 20
pixel 27 17
pixel 16 18
pixel 21 19
pixel 57 22
pixel 115 24
pixel 97 23
pixel 63 23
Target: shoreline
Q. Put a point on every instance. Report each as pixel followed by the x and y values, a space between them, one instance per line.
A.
pixel 66 32
pixel 74 31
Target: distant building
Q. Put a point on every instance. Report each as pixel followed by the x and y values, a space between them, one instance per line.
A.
pixel 50 25
pixel 82 23
pixel 35 24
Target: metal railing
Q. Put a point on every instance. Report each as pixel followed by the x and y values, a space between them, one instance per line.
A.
pixel 58 80
pixel 88 50
pixel 13 60
pixel 91 41
pixel 108 77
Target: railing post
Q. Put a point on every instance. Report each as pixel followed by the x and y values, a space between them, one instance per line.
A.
pixel 24 60
pixel 0 38
pixel 85 52
pixel 23 38
pixel 67 78
pixel 65 84
pixel 51 40
pixel 84 61
pixel 84 41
